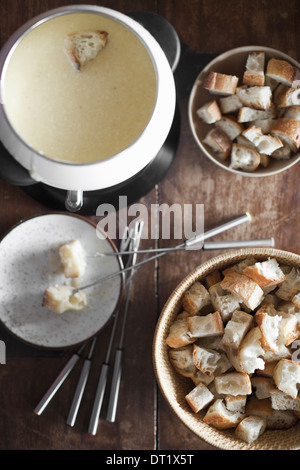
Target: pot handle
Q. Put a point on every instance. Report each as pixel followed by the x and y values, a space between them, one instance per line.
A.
pixel 163 32
pixel 11 171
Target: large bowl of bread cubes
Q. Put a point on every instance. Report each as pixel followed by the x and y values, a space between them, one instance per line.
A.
pixel 244 111
pixel 226 350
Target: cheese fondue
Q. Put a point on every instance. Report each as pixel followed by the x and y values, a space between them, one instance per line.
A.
pixel 86 116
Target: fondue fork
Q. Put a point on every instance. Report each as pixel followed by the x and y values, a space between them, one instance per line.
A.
pixel 117 370
pixel 44 402
pixel 85 371
pixel 191 242
pixel 102 381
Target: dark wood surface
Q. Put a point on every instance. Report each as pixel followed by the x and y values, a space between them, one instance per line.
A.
pixel 144 419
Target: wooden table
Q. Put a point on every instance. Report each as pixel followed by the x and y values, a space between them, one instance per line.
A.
pixel 144 419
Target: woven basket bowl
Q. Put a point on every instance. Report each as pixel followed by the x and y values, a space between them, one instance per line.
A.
pixel 174 387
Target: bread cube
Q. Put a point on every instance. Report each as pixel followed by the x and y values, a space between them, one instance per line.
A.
pixel 261 386
pixel 72 256
pixel 269 323
pixel 220 417
pixel 264 143
pixel 205 359
pixel 199 397
pixel 219 142
pixel 182 360
pixel 254 74
pixel 244 288
pixel 230 126
pixel 195 298
pixel 62 298
pixel 276 419
pixel 287 377
pixel 179 334
pixel 291 285
pixel 209 112
pixel 236 329
pixel 223 301
pixel 282 401
pixel 282 71
pixel 251 352
pixel 257 97
pixel 266 273
pixel 206 325
pixel 220 83
pixel 233 383
pixel 236 402
pixel 250 428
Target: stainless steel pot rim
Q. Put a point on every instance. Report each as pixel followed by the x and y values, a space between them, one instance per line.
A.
pixel 111 171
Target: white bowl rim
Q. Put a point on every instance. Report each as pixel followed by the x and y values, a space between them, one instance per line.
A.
pixel 223 56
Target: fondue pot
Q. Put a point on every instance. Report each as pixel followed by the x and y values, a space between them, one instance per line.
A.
pixel 25 166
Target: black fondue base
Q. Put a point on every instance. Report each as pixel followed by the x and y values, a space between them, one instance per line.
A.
pixel 134 188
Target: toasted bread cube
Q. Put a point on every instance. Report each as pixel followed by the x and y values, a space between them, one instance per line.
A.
pixel 220 417
pixel 206 325
pixel 236 329
pixel 179 334
pixel 182 360
pixel 199 397
pixel 59 299
pixel 223 301
pixel 251 352
pixel 219 142
pixel 254 74
pixel 282 401
pixel 264 143
pixel 195 298
pixel 250 428
pixel 230 126
pixel 213 278
pixel 236 402
pixel 244 288
pixel 265 273
pixel 220 83
pixel 289 328
pixel 287 376
pixel 84 47
pixel 257 97
pixel 233 383
pixel 262 386
pixel 282 71
pixel 209 112
pixel 205 359
pixel 276 419
pixel 72 256
pixel 269 324
pixel 291 285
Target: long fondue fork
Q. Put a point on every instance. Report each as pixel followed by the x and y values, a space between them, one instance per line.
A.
pixel 81 385
pixel 102 381
pixel 58 381
pixel 185 245
pixel 117 371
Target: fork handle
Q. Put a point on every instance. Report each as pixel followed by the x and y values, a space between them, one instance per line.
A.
pixel 115 386
pixel 94 420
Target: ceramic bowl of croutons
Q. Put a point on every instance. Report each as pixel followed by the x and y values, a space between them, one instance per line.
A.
pixel 226 350
pixel 244 111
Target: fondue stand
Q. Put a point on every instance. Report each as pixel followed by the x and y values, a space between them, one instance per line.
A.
pixel 86 202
